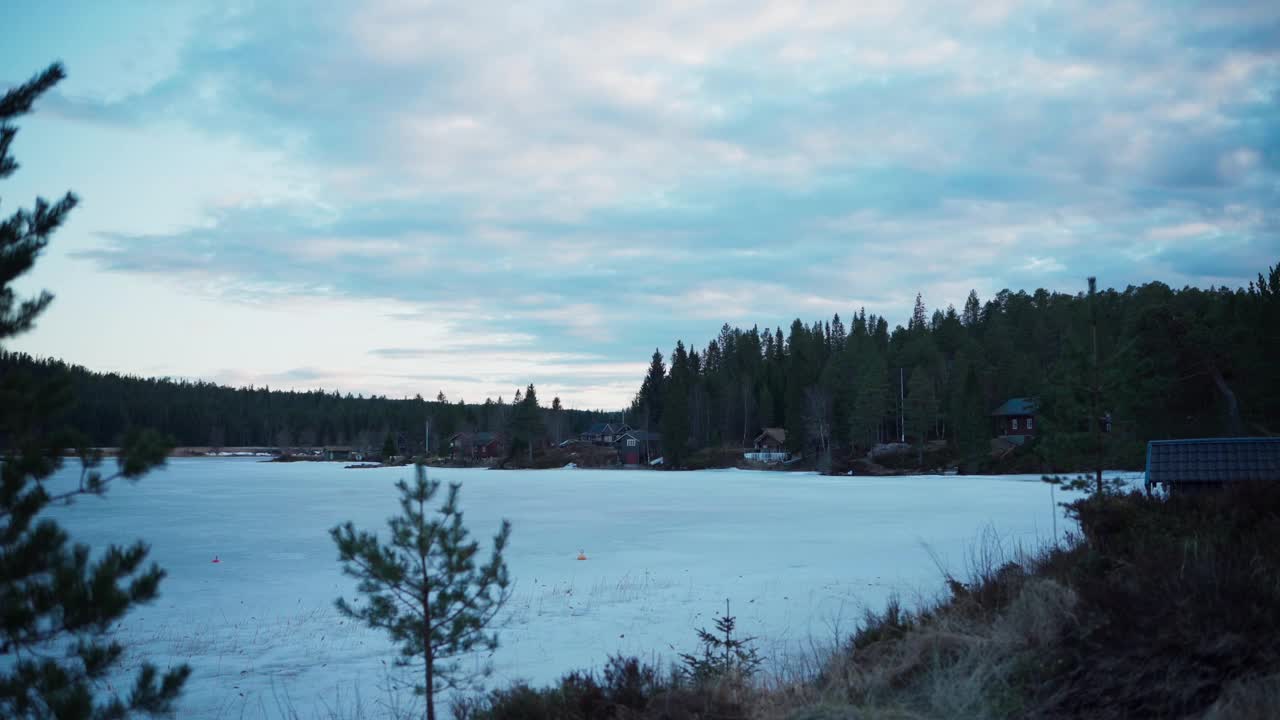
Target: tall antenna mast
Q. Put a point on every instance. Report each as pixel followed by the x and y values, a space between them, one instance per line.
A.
pixel 1097 388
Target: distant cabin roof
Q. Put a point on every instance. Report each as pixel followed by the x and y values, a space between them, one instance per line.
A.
pixel 1016 406
pixel 640 435
pixel 484 438
pixel 1213 460
pixel 778 434
pixel 597 429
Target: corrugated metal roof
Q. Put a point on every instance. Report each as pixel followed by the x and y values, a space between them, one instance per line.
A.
pixel 1213 460
pixel 1016 406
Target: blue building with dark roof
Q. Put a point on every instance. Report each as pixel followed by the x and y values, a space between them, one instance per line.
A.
pixel 1199 464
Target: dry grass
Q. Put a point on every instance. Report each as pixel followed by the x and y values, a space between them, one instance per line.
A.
pixel 962 656
pixel 1160 609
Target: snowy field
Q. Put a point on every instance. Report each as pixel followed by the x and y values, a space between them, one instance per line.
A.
pixel 799 556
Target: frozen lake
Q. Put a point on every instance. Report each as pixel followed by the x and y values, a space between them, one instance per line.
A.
pixel 798 555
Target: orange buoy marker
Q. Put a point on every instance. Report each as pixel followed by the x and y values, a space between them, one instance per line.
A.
pixel 215 559
pixel 582 555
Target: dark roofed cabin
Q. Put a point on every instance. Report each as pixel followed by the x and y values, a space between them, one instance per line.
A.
pixel 604 433
pixel 613 431
pixel 594 434
pixel 1197 465
pixel 637 446
pixel 771 440
pixel 1016 419
pixel 476 446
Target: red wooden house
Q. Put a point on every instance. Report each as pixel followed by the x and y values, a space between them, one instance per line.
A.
pixel 1016 419
pixel 476 445
pixel 636 447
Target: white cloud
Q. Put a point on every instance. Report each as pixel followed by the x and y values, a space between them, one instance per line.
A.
pixel 1181 230
pixel 496 181
pixel 1043 265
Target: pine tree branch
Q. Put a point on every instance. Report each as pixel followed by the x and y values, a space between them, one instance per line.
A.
pixel 367 570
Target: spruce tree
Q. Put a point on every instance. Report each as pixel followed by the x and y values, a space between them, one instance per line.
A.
pixel 972 425
pixel 675 412
pixel 557 417
pixel 838 335
pixel 919 316
pixel 972 314
pixel 922 409
pixel 725 657
pixel 56 604
pixel 526 422
pixel 799 375
pixel 652 392
pixel 870 400
pixel 424 587
pixel 765 411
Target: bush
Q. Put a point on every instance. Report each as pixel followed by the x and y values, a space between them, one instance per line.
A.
pixel 714 457
pixel 1178 599
pixel 624 690
pixel 888 626
pixel 592 456
pixel 1160 608
pixel 936 455
pixel 548 459
pixel 627 689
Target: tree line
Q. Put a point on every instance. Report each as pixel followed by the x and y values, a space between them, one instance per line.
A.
pixel 1170 363
pixel 204 414
pixel 1157 362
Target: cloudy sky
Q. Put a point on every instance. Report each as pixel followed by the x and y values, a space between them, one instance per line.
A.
pixel 403 196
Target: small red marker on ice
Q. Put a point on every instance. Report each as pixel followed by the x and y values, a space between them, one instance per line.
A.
pixel 215 559
pixel 582 555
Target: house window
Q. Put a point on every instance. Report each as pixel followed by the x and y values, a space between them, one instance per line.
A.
pixel 1030 423
pixel 1015 423
pixel 631 442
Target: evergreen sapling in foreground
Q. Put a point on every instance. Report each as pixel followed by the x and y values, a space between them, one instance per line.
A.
pixel 724 657
pixel 424 587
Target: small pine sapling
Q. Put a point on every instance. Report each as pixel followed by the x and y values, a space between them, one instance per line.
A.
pixel 424 587
pixel 724 657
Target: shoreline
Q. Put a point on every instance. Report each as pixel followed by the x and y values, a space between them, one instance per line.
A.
pixel 267 454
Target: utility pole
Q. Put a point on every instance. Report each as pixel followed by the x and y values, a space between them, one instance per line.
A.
pixel 1096 390
pixel 426 443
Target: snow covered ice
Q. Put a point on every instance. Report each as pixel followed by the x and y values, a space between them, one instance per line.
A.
pixel 799 556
